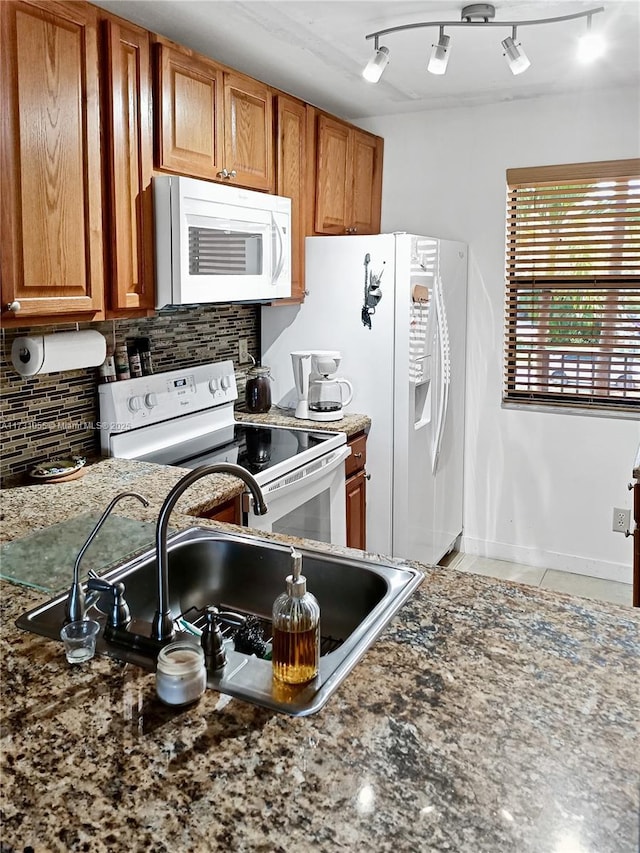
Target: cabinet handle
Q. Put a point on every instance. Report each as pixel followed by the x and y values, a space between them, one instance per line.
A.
pixel 357 455
pixel 14 306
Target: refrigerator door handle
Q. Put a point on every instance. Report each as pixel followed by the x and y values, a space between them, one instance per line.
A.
pixel 442 332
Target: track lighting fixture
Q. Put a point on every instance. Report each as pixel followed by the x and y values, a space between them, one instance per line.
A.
pixel 439 54
pixel 517 59
pixel 481 15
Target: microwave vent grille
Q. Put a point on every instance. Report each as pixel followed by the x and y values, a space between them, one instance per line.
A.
pixel 217 252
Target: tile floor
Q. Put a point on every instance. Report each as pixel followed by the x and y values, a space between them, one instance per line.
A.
pixel 587 587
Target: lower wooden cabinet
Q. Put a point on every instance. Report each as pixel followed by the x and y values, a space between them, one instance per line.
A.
pixel 229 512
pixel 356 492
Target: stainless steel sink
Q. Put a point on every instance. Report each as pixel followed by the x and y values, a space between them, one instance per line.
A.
pixel 244 573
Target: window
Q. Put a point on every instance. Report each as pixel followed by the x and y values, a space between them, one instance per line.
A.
pixel 573 285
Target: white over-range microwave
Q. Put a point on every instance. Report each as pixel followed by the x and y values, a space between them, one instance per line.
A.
pixel 217 243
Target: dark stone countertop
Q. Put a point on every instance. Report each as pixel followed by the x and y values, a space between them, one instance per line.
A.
pixel 488 717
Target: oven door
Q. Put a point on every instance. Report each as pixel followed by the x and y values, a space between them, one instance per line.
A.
pixel 309 502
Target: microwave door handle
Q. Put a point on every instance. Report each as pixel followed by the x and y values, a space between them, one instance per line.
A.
pixel 278 267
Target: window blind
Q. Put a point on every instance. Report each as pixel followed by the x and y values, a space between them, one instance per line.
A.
pixel 572 330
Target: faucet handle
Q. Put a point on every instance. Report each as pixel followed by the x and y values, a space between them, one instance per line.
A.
pixel 117 610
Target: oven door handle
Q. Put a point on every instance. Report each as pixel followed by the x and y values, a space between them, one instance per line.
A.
pixel 287 484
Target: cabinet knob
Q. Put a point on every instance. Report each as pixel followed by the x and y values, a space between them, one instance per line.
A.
pixel 357 455
pixel 225 173
pixel 14 306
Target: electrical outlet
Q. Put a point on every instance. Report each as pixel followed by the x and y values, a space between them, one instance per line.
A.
pixel 243 350
pixel 621 520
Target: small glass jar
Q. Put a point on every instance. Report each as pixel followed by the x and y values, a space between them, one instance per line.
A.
pixel 258 389
pixel 181 675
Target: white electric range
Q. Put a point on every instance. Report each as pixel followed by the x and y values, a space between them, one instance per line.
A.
pixel 185 418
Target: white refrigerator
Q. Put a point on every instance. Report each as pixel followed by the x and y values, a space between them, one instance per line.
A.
pixel 394 305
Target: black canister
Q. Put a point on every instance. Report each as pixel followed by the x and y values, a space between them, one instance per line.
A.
pixel 258 389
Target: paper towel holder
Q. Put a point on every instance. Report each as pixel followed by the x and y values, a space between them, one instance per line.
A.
pixel 71 350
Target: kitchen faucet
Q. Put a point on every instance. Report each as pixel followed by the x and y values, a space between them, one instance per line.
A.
pixel 162 628
pixel 75 607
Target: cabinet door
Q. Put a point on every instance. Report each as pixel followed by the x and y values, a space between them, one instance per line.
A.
pixel 333 177
pixel 248 132
pixel 129 141
pixel 51 247
pixel 189 113
pixel 356 497
pixel 291 174
pixel 366 199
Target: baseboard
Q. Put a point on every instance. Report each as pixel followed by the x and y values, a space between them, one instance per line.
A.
pixel 549 560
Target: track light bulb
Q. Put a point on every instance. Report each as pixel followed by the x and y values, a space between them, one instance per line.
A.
pixel 439 55
pixel 591 46
pixel 517 59
pixel 376 65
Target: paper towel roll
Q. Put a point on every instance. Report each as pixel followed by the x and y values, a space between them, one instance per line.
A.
pixel 60 351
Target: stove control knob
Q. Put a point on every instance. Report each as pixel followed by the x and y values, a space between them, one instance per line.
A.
pixel 151 400
pixel 134 403
pixel 225 382
pixel 214 385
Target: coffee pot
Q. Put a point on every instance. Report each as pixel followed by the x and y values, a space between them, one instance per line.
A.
pixel 321 395
pixel 327 393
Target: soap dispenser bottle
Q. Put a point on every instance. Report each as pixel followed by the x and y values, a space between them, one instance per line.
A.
pixel 296 629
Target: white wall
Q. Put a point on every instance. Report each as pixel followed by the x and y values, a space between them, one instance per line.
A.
pixel 539 486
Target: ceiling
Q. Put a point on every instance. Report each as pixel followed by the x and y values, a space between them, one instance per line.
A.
pixel 316 49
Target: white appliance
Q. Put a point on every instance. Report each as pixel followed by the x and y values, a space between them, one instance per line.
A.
pixel 185 418
pixel 320 394
pixel 394 305
pixel 216 243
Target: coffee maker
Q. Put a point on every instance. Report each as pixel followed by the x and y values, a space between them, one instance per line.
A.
pixel 321 394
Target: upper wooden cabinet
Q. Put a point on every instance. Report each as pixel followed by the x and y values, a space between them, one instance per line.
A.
pixel 211 122
pixel 188 113
pixel 128 166
pixel 348 178
pixel 51 252
pixel 291 179
pixel 248 131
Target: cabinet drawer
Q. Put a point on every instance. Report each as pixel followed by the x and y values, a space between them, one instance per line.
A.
pixel 358 457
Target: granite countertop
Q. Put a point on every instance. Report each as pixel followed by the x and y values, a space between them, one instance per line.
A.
pixel 489 716
pixel 350 423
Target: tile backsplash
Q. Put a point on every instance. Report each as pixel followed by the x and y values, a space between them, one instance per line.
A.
pixel 53 415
